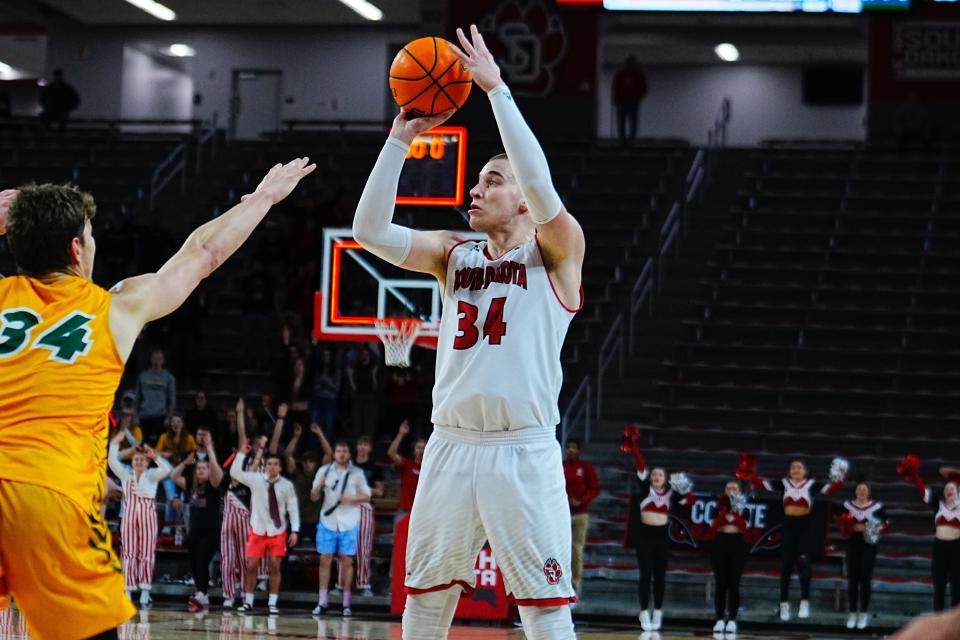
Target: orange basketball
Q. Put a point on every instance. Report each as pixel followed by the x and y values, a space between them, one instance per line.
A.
pixel 427 78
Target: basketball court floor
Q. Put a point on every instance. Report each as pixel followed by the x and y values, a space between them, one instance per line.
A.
pixel 168 624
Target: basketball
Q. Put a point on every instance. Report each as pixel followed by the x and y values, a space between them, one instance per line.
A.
pixel 427 78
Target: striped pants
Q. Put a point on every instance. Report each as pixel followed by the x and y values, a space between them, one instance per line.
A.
pixel 138 539
pixel 233 539
pixel 361 564
pixel 12 623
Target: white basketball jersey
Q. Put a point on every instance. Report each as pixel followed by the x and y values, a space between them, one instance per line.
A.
pixel 502 328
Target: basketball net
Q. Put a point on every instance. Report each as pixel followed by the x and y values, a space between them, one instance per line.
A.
pixel 397 336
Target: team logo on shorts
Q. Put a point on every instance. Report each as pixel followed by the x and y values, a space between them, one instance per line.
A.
pixel 551 569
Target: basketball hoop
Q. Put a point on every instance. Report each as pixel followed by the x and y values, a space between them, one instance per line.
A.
pixel 397 336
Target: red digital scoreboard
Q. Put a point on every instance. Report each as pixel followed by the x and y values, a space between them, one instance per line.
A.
pixel 433 174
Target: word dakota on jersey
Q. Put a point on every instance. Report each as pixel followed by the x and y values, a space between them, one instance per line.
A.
pixel 476 278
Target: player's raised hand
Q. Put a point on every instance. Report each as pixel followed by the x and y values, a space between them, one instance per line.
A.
pixel 406 127
pixel 477 59
pixel 7 196
pixel 282 179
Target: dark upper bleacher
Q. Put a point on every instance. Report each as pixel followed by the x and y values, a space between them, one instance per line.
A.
pixel 116 166
pixel 833 302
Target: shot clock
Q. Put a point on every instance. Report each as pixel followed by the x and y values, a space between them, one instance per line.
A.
pixel 433 174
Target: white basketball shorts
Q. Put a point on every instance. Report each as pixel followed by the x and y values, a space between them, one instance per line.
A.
pixel 506 487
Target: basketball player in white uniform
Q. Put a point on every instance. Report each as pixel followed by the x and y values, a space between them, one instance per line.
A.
pixel 493 468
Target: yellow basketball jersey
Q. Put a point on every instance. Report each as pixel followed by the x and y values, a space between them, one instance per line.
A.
pixel 59 370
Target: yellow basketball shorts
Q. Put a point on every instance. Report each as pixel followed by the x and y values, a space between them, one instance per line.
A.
pixel 59 565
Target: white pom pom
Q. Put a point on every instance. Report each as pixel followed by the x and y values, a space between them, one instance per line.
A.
pixel 738 503
pixel 838 469
pixel 871 531
pixel 680 483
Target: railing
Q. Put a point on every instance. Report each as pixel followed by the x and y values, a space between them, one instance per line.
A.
pixel 174 164
pixel 717 136
pixel 621 339
pixel 578 413
pixel 611 349
pixel 642 294
pixel 338 125
pixel 206 136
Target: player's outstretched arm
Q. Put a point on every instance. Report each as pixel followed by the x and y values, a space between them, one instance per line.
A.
pixel 560 236
pixel 137 301
pixel 423 251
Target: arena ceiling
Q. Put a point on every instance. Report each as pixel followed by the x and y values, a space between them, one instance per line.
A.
pixel 230 12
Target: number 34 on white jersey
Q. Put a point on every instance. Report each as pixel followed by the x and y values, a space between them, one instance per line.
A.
pixel 502 328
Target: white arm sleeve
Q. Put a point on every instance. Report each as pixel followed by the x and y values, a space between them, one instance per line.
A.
pixel 526 157
pixel 372 226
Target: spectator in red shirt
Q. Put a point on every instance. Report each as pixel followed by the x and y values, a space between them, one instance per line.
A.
pixel 409 469
pixel 629 88
pixel 582 488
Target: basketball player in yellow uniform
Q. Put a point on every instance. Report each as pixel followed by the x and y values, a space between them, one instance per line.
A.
pixel 63 344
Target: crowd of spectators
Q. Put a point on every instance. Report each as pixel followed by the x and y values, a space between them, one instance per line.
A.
pixel 313 405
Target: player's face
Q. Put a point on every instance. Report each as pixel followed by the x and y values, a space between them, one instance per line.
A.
pixel 863 492
pixel 658 478
pixel 273 468
pixel 798 471
pixel 496 200
pixel 342 455
pixel 733 489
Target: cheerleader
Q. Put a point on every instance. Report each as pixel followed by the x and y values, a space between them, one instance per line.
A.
pixel 138 525
pixel 729 556
pixel 946 543
pixel 798 540
pixel 862 522
pixel 653 547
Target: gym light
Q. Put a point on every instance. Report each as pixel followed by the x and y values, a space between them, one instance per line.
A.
pixel 5 69
pixel 180 51
pixel 727 52
pixel 364 8
pixel 155 9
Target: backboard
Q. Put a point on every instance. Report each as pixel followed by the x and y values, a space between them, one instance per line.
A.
pixel 357 288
